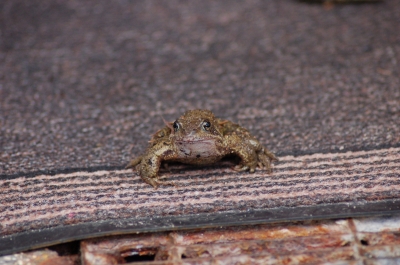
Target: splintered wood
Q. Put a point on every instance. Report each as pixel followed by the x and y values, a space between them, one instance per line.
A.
pixel 368 240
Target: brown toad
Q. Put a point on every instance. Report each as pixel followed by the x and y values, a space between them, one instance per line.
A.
pixel 199 138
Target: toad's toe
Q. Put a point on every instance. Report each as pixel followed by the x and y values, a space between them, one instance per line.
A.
pixel 240 168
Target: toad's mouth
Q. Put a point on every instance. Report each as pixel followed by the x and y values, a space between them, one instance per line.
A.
pixel 197 148
pixel 195 141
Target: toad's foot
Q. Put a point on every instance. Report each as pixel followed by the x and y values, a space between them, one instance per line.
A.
pixel 157 182
pixel 265 158
pixel 241 168
pixel 261 159
pixel 248 163
pixel 149 173
pixel 143 171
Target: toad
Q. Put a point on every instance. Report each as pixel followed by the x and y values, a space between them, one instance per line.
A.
pixel 199 138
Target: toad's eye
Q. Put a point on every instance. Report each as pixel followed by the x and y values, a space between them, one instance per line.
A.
pixel 206 125
pixel 176 126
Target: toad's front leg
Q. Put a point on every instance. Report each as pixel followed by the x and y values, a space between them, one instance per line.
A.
pixel 251 152
pixel 150 162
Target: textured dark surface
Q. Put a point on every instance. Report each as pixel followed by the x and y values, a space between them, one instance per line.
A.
pixel 84 84
pixel 38 210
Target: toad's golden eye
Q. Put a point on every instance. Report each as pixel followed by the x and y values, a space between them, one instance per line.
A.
pixel 206 125
pixel 176 126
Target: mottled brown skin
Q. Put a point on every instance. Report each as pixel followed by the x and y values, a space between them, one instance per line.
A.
pixel 199 138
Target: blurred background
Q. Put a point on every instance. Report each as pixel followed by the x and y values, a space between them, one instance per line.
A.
pixel 83 84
